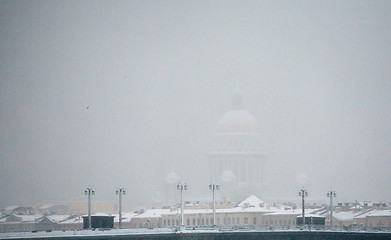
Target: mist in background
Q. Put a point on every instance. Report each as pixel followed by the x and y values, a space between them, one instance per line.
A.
pixel 108 94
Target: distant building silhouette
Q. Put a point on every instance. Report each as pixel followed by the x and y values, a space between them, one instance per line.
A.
pixel 237 160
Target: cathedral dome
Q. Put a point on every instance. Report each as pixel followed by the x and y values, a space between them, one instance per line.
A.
pixel 237 121
pixel 172 177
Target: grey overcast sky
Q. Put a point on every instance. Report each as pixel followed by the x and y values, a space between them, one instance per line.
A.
pixel 120 93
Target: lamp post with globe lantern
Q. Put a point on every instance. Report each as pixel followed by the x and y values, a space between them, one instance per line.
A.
pixel 89 192
pixel 182 186
pixel 214 187
pixel 331 194
pixel 303 193
pixel 120 192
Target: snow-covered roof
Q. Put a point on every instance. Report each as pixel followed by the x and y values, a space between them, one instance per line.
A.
pixel 312 215
pixel 99 214
pixel 345 216
pixel 29 218
pixel 153 213
pixel 58 218
pixel 247 208
pixel 252 201
pixel 375 213
pixel 357 207
pixel 10 208
pixel 307 212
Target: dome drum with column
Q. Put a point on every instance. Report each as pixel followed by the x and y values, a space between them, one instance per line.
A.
pixel 237 158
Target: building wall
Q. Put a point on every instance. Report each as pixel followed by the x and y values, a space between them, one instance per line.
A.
pixel 279 220
pixel 229 219
pixel 382 222
pixel 145 222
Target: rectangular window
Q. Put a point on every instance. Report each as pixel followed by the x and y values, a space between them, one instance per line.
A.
pixel 177 222
pixel 198 221
pixel 245 220
pixel 164 222
pixel 233 221
pixel 238 221
pixel 218 221
pixel 229 221
pixel 225 221
pixel 207 221
pixel 202 222
pixel 193 221
pixel 188 222
pixel 254 221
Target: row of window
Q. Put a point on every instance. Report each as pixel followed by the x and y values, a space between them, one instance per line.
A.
pixel 170 222
pixel 226 221
pixel 207 221
pixel 280 222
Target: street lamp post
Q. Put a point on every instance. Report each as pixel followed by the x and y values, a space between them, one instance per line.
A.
pixel 120 192
pixel 89 192
pixel 182 186
pixel 214 187
pixel 331 194
pixel 303 193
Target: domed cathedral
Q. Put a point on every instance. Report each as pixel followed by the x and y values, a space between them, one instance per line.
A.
pixel 237 161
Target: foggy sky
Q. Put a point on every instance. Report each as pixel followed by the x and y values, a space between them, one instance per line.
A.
pixel 105 94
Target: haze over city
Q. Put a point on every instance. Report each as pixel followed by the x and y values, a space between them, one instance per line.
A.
pixel 109 94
